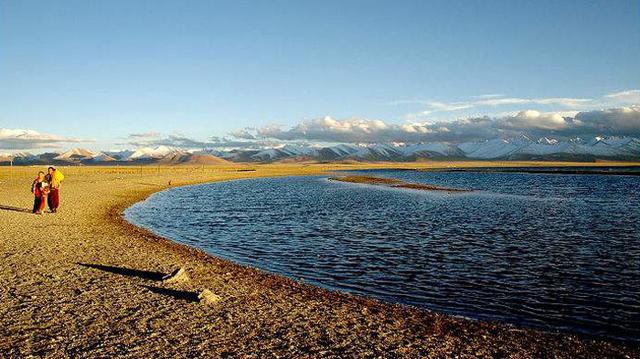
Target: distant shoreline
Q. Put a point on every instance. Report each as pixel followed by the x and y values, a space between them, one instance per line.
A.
pixel 577 170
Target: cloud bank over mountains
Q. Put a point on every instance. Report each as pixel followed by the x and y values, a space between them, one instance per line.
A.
pixel 623 121
pixel 181 141
pixel 573 117
pixel 568 120
pixel 19 139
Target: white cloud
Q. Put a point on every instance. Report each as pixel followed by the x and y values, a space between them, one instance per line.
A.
pixel 497 100
pixel 446 107
pixel 181 141
pixel 144 135
pixel 623 121
pixel 328 129
pixel 244 133
pixel 629 96
pixel 535 120
pixel 331 130
pixel 617 99
pixel 21 139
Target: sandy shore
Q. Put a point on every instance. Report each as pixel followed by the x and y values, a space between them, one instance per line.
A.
pixel 394 183
pixel 84 283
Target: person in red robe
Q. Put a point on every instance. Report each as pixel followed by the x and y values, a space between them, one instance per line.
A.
pixel 39 188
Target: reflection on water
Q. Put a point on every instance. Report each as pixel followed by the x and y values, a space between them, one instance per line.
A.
pixel 552 251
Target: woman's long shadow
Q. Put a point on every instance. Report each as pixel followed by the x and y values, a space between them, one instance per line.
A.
pixel 14 209
pixel 149 275
pixel 129 272
pixel 177 294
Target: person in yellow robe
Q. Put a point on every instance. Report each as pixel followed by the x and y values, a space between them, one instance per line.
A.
pixel 54 177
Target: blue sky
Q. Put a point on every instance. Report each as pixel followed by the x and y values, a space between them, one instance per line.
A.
pixel 102 70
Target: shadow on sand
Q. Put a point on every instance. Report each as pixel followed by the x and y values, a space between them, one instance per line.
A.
pixel 15 209
pixel 176 294
pixel 151 275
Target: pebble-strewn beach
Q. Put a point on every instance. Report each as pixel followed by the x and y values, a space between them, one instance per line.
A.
pixel 85 283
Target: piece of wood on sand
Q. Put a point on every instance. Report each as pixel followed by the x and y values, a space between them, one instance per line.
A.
pixel 177 276
pixel 208 297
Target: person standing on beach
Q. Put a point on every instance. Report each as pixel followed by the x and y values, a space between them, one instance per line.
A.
pixel 54 178
pixel 39 188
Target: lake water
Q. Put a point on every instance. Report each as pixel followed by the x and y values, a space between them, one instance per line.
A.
pixel 560 252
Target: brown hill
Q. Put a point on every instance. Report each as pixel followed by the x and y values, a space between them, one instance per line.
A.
pixel 205 159
pixel 191 159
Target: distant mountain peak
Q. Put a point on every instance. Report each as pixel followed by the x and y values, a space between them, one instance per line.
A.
pixel 548 141
pixel 75 154
pixel 154 153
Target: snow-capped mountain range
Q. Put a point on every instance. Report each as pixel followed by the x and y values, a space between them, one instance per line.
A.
pixel 521 148
pixel 508 149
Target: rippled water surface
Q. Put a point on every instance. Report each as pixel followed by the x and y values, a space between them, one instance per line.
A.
pixel 551 251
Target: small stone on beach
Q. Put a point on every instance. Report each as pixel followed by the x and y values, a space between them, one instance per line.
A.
pixel 208 297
